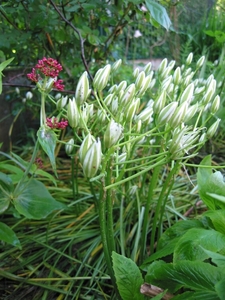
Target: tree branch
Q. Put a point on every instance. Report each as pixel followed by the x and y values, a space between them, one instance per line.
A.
pixel 79 35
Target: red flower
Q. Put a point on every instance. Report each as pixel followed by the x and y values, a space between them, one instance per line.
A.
pixel 50 68
pixel 54 124
pixel 58 85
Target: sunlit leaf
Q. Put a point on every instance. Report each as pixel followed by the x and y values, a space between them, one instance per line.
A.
pixel 158 13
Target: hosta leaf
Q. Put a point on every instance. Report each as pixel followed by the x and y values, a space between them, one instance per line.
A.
pixel 33 200
pixel 195 275
pixel 189 245
pixel 158 13
pixel 8 235
pixel 47 139
pixel 128 277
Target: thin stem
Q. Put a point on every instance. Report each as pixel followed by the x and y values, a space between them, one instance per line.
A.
pixel 109 210
pixel 152 186
pixel 159 210
pixel 159 163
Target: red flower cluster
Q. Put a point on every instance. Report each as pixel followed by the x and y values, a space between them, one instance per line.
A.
pixel 50 68
pixel 54 124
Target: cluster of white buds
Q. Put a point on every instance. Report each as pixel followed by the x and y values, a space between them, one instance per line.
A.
pixel 122 113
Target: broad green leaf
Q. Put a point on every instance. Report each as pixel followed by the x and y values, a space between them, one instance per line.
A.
pixel 217 259
pixel 47 139
pixel 195 275
pixel 210 183
pixel 189 245
pixel 158 13
pixel 128 277
pixel 33 200
pixel 217 218
pixel 8 235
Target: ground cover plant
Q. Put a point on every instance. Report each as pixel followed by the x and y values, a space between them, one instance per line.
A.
pixel 126 152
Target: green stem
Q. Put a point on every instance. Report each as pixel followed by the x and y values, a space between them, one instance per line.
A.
pixel 152 186
pixel 104 233
pixel 109 210
pixel 159 211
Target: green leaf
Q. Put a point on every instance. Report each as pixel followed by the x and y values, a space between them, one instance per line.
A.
pixel 33 170
pixel 158 13
pixel 5 63
pixel 33 200
pixel 188 247
pixel 206 295
pixel 217 259
pixel 210 183
pixel 5 191
pixel 47 139
pixel 220 289
pixel 128 277
pixel 217 218
pixel 8 235
pixel 195 275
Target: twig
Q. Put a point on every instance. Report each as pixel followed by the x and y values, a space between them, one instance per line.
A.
pixel 151 291
pixel 79 35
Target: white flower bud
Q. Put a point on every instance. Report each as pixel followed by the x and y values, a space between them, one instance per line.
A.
pixel 147 68
pixel 112 134
pixel 191 111
pixel 163 65
pixel 189 59
pixel 69 147
pixel 29 95
pixel 187 94
pixel 85 146
pixel 139 80
pixel 159 103
pixel 178 115
pixel 128 94
pixel 166 82
pixel 200 62
pixel 116 65
pixel 177 76
pixel 136 72
pixel 92 159
pixel 121 86
pixel 82 89
pixel 145 116
pixel 167 113
pixel 101 78
pixel 61 103
pixel 215 104
pixel 212 129
pixel 73 113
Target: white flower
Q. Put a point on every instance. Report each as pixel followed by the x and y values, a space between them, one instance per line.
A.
pixel 137 33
